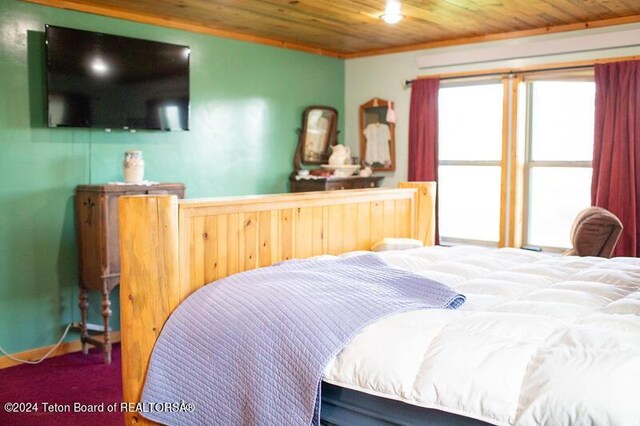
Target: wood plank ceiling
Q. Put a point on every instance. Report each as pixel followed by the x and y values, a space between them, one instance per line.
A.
pixel 352 28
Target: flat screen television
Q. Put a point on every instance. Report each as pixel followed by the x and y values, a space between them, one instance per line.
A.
pixel 114 82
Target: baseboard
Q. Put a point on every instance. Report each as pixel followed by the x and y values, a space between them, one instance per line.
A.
pixel 64 348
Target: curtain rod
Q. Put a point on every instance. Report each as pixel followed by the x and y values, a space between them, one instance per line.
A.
pixel 503 71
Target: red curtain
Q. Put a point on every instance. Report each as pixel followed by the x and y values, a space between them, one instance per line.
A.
pixel 423 133
pixel 616 151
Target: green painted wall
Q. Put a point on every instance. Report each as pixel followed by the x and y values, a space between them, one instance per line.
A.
pixel 246 104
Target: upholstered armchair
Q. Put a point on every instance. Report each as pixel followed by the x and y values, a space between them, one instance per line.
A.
pixel 595 232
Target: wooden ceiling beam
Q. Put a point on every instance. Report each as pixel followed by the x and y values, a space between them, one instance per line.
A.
pixel 497 37
pixel 181 25
pixel 352 28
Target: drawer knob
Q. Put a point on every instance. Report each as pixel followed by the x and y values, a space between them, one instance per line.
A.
pixel 372 184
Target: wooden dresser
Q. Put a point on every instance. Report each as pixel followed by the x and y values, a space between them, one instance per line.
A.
pixel 96 217
pixel 334 183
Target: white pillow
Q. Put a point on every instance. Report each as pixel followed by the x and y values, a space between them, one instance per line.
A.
pixel 396 244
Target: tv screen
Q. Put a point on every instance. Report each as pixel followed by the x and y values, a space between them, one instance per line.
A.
pixel 113 82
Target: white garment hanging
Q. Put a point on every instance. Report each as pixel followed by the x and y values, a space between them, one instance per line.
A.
pixel 378 136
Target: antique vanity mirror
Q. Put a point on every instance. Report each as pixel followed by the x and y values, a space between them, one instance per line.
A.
pixel 319 133
pixel 377 135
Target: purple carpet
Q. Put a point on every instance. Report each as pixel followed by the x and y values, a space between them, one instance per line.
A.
pixel 72 381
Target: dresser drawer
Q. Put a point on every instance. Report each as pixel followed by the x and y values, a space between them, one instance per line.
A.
pixel 335 184
pixel 350 184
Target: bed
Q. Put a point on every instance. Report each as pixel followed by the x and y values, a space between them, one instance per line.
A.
pixel 171 248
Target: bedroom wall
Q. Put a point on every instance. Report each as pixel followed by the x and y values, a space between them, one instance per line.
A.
pixel 246 104
pixel 383 76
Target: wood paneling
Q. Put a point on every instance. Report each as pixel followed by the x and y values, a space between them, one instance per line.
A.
pixel 170 249
pixel 425 227
pixel 351 28
pixel 253 234
pixel 149 254
pixel 258 231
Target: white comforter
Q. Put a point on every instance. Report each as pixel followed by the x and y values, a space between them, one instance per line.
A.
pixel 541 340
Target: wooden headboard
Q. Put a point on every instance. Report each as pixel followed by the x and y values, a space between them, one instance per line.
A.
pixel 170 248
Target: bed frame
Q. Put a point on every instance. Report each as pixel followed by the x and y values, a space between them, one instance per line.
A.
pixel 170 248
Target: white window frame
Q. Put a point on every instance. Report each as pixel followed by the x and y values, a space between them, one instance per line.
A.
pixel 516 162
pixel 529 163
pixel 444 240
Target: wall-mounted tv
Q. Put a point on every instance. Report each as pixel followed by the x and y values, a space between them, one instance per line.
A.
pixel 114 82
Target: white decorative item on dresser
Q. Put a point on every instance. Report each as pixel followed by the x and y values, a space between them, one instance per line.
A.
pixel 340 155
pixel 133 167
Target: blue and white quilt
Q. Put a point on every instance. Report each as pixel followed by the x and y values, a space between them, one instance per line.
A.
pixel 250 349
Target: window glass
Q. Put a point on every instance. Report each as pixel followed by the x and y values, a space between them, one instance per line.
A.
pixel 562 120
pixel 556 196
pixel 470 122
pixel 469 205
pixel 555 120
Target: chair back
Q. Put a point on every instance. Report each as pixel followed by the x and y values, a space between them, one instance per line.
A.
pixel 595 232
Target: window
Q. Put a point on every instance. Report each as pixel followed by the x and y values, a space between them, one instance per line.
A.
pixel 530 193
pixel 470 150
pixel 558 159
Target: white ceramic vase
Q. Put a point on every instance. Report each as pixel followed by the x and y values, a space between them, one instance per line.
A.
pixel 340 155
pixel 133 166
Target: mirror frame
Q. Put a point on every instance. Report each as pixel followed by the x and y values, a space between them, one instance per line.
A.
pixel 378 107
pixel 332 138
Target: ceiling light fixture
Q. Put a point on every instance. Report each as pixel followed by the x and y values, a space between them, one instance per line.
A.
pixel 392 13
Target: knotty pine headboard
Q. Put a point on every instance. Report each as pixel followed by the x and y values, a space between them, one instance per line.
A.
pixel 170 248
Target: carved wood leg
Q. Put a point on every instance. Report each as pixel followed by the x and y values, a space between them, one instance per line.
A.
pixel 84 306
pixel 106 314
